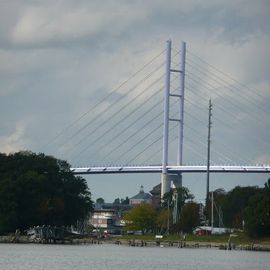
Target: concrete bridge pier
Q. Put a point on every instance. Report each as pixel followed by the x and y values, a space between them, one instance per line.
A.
pixel 165 184
pixel 167 179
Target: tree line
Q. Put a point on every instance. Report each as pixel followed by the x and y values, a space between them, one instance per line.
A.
pixel 246 208
pixel 243 208
pixel 145 218
pixel 36 189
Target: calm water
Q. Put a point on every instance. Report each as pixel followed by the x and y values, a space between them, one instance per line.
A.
pixel 57 257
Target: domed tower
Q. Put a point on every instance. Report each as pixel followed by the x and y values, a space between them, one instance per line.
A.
pixel 141 197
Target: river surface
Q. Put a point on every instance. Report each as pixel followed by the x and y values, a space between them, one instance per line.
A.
pixel 67 257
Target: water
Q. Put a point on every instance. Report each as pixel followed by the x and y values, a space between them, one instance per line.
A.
pixel 102 257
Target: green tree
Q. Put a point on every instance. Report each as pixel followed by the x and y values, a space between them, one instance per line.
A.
pixel 175 196
pixel 117 201
pixel 125 201
pixel 162 220
pixel 141 218
pixel 100 200
pixel 234 204
pixel 257 214
pixel 189 217
pixel 220 199
pixel 183 195
pixel 36 189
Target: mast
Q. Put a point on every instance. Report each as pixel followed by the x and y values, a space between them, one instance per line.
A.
pixel 208 156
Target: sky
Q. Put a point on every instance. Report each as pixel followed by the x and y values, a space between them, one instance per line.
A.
pixel 59 59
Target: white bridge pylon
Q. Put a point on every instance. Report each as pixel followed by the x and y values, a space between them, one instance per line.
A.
pixel 166 177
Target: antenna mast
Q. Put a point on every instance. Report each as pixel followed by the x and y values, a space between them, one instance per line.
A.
pixel 208 156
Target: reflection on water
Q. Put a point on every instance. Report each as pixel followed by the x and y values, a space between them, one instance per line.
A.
pixel 57 257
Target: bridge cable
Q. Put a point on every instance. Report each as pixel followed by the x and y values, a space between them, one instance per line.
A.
pixel 223 97
pixel 217 152
pixel 63 131
pixel 154 142
pixel 115 114
pixel 232 89
pixel 130 125
pixel 108 130
pixel 227 75
pixel 132 135
pixel 228 112
pixel 110 106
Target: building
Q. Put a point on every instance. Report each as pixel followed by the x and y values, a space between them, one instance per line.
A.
pixel 208 230
pixel 109 217
pixel 103 218
pixel 141 197
pixel 156 197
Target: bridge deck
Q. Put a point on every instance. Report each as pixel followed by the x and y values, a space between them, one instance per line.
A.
pixel 171 169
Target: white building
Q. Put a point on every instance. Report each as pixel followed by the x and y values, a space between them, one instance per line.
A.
pixel 103 218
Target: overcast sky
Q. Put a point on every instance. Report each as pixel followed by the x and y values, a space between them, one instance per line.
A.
pixel 60 58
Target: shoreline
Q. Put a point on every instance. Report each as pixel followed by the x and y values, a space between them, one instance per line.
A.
pixel 135 242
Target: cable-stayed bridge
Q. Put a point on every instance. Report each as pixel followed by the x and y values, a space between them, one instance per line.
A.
pixel 171 169
pixel 162 110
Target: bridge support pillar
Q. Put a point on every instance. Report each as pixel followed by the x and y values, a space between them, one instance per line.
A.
pixel 176 180
pixel 165 184
pixel 167 179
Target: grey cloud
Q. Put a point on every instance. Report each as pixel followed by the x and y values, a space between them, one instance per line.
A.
pixel 53 24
